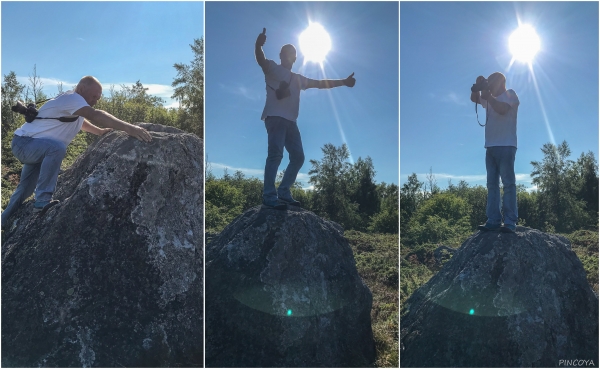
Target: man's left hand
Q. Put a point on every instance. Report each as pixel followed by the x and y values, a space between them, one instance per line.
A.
pixel 104 131
pixel 485 94
pixel 350 81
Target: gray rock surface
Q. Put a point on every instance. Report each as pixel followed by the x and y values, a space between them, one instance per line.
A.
pixel 282 290
pixel 503 300
pixel 112 276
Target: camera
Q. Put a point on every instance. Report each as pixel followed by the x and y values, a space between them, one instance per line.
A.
pixel 481 86
pixel 283 91
pixel 30 111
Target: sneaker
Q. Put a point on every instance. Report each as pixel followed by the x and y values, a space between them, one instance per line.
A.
pixel 289 201
pixel 508 228
pixel 488 227
pixel 274 205
pixel 44 208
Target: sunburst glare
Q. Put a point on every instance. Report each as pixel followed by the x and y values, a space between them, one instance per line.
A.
pixel 524 43
pixel 315 43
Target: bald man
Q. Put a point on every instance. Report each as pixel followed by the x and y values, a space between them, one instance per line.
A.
pixel 42 144
pixel 280 113
pixel 501 147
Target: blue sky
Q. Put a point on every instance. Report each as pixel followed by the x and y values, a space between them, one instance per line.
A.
pixel 444 46
pixel 364 41
pixel 117 42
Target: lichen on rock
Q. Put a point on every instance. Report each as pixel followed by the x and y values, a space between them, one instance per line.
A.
pixel 503 300
pixel 282 290
pixel 111 276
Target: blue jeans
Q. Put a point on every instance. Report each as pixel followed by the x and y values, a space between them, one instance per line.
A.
pixel 282 133
pixel 41 158
pixel 500 164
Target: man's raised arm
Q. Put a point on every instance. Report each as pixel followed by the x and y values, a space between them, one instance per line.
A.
pixel 104 119
pixel 258 51
pixel 331 83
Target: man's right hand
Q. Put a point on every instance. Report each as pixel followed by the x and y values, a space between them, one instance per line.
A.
pixel 139 133
pixel 479 80
pixel 260 40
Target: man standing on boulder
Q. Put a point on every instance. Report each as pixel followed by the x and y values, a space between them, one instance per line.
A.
pixel 501 107
pixel 280 113
pixel 42 144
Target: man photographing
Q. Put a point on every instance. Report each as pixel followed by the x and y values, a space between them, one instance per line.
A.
pixel 41 143
pixel 501 107
pixel 280 113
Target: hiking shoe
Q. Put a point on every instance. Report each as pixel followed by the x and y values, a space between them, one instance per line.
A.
pixel 488 227
pixel 44 208
pixel 508 228
pixel 289 201
pixel 274 205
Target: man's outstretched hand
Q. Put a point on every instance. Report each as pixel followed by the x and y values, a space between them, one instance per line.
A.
pixel 260 40
pixel 350 81
pixel 138 132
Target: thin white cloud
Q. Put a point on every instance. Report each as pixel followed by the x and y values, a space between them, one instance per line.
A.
pixel 80 39
pixel 218 170
pixel 50 88
pixel 442 178
pixel 454 98
pixel 241 91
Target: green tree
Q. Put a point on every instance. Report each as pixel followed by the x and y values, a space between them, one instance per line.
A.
pixel 386 220
pixel 11 92
pixel 584 175
pixel 411 196
pixel 223 202
pixel 189 90
pixel 332 190
pixel 363 188
pixel 558 205
pixel 441 218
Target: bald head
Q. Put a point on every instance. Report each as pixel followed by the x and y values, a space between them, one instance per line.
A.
pixel 287 56
pixel 90 89
pixel 497 83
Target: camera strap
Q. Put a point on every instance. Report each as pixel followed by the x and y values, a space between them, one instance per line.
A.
pixel 486 114
pixel 60 119
pixel 290 81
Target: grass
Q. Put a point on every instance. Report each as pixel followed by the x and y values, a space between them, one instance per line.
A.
pixel 376 258
pixel 585 245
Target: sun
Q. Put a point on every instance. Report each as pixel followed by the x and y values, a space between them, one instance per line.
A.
pixel 524 43
pixel 315 43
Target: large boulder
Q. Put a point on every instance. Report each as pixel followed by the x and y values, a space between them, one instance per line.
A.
pixel 282 290
pixel 503 300
pixel 112 276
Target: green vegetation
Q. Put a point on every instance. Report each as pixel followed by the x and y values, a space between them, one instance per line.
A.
pixel 131 103
pixel 377 263
pixel 345 193
pixel 565 202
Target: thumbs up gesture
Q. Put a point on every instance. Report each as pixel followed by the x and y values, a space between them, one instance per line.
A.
pixel 350 81
pixel 260 40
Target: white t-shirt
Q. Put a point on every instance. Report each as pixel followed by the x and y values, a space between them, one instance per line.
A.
pixel 61 106
pixel 287 107
pixel 501 130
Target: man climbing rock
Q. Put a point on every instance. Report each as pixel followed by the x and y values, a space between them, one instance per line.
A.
pixel 41 144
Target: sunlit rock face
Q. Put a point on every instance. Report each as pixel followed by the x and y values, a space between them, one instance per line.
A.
pixel 112 276
pixel 282 290
pixel 503 300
